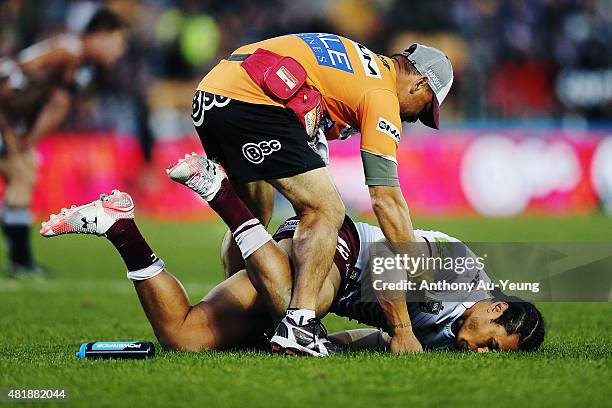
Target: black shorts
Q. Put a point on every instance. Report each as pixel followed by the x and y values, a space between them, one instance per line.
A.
pixel 252 142
pixel 347 249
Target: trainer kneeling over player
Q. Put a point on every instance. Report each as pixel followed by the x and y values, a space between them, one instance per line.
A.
pixel 259 113
pixel 234 314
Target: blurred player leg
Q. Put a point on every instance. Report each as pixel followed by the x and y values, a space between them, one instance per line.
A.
pixel 258 196
pixel 16 228
pixel 363 339
pixel 18 169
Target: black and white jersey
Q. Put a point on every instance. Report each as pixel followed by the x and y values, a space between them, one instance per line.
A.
pixel 431 320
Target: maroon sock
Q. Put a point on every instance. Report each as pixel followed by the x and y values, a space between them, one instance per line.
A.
pixel 132 247
pixel 231 208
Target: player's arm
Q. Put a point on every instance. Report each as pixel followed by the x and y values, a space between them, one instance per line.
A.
pixel 10 147
pixel 51 116
pixel 36 58
pixel 380 136
pixel 362 339
pixel 9 139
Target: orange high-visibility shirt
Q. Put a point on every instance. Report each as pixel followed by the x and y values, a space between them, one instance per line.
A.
pixel 358 86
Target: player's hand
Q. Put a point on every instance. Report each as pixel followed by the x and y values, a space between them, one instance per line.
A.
pixel 404 342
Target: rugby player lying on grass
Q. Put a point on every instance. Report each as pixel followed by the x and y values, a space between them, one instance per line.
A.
pixel 233 314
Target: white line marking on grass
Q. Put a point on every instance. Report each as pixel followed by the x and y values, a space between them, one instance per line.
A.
pixel 85 286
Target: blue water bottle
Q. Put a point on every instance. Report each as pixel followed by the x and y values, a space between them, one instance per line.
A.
pixel 116 349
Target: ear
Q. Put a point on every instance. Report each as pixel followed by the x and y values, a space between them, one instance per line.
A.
pixel 498 307
pixel 419 84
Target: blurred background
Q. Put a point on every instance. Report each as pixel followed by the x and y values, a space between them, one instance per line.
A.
pixel 527 126
pixel 524 155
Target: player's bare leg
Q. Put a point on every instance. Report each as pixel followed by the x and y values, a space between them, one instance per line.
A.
pixel 230 315
pixel 208 180
pixel 258 197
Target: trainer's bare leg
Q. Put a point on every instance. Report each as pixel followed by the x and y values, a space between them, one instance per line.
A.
pixel 258 196
pixel 284 282
pixel 321 215
pixel 321 212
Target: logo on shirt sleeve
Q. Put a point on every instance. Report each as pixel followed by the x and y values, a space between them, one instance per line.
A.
pixel 368 61
pixel 348 131
pixel 388 128
pixel 383 59
pixel 431 307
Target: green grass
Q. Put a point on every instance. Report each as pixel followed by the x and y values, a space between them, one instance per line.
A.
pixel 89 298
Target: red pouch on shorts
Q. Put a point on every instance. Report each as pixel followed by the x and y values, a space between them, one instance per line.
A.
pixel 306 104
pixel 283 79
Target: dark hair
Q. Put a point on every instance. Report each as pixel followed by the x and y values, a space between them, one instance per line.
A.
pixel 522 318
pixel 405 64
pixel 103 20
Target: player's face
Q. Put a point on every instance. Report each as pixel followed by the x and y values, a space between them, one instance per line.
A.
pixel 415 97
pixel 110 47
pixel 480 333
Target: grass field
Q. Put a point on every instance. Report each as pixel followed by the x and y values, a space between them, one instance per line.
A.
pixel 89 298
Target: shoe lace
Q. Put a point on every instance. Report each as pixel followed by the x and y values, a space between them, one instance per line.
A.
pixel 106 197
pixel 201 182
pixel 317 327
pixel 64 211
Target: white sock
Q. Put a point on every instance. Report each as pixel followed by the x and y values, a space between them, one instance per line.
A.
pixel 300 316
pixel 146 273
pixel 252 239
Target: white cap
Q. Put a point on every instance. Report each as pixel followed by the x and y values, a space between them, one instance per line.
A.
pixel 432 63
